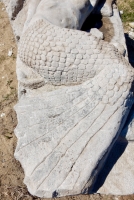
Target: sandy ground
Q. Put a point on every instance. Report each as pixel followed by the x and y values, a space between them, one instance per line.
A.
pixel 11 173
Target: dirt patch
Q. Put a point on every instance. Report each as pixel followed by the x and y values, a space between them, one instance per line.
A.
pixel 127 7
pixel 11 173
pixel 107 29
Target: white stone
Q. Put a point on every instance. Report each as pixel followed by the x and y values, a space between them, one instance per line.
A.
pixel 131 25
pixel 131 35
pixel 121 12
pixel 10 52
pixel 72 16
pixel 97 33
pixel 2 115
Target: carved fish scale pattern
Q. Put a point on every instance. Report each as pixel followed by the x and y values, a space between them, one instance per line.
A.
pixel 65 56
pixel 72 128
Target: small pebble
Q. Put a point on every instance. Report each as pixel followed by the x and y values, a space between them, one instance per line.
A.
pixel 121 12
pixel 2 115
pixel 131 24
pixel 10 52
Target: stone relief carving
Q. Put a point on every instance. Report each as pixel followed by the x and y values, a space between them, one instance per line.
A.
pixel 75 93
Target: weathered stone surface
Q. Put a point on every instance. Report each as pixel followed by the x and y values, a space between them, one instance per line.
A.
pixel 64 119
pixel 97 33
pixel 75 93
pixel 118 39
pixel 41 55
pixel 68 128
pixel 65 14
pixel 118 174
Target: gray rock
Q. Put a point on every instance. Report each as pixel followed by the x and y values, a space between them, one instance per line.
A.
pixel 131 35
pixel 118 177
pixel 131 25
pixel 74 97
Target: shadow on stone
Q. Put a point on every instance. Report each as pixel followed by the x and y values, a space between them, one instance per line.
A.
pixel 129 120
pixel 130 47
pixel 93 21
pixel 96 20
pixel 113 157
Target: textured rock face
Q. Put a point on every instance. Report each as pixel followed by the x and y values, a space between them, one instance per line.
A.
pixel 72 129
pixel 75 93
pixel 72 13
pixel 120 179
pixel 62 56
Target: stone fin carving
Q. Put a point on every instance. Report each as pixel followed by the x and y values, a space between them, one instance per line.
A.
pixel 68 127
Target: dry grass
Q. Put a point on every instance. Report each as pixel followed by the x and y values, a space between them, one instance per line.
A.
pixel 128 11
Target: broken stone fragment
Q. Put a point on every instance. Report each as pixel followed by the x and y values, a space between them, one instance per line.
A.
pixel 97 33
pixel 131 35
pixel 131 25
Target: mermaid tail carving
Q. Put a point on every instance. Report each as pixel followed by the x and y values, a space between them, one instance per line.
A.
pixel 73 128
pixel 65 56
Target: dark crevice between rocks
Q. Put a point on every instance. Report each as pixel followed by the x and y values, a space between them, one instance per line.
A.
pixel 126 126
pixel 96 20
pixel 130 118
pixel 116 152
pixel 16 9
pixel 130 48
